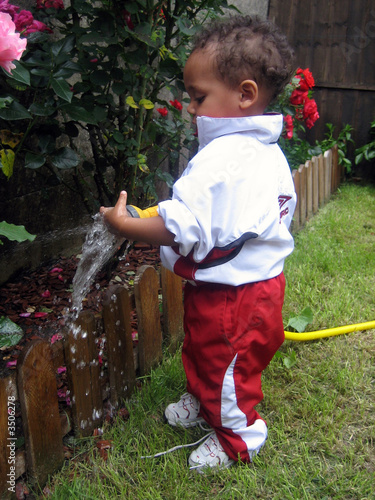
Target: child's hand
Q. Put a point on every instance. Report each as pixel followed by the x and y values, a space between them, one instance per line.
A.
pixel 150 230
pixel 115 217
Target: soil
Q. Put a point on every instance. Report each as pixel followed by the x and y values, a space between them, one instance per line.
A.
pixel 39 301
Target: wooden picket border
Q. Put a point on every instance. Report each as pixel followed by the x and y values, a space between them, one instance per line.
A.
pixel 314 182
pixel 33 384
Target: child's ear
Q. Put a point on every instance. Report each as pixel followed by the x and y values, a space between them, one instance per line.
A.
pixel 249 94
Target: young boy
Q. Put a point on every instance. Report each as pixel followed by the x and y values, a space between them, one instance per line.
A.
pixel 226 231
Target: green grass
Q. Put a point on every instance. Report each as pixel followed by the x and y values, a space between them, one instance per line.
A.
pixel 320 412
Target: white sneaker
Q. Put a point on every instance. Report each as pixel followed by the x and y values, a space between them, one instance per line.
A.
pixel 185 412
pixel 210 454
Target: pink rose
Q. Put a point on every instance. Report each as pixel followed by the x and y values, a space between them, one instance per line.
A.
pixel 11 45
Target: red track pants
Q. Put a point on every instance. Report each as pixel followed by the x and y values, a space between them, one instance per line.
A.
pixel 231 335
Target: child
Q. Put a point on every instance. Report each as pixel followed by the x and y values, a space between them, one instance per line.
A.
pixel 226 231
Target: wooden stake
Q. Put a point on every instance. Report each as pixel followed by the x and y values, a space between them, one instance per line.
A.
pixel 116 317
pixel 146 288
pixel 37 390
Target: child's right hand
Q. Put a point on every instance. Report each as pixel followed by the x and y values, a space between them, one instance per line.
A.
pixel 150 230
pixel 115 217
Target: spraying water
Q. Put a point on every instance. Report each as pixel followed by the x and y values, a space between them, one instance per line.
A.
pixel 99 246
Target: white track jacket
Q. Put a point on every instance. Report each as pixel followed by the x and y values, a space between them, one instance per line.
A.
pixel 233 205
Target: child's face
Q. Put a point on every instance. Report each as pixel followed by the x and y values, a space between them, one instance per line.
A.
pixel 209 96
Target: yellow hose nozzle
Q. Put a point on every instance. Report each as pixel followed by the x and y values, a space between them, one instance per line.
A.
pixel 134 211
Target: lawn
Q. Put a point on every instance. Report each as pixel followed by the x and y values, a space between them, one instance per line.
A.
pixel 320 411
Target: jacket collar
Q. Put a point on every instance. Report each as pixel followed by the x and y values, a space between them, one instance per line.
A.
pixel 266 128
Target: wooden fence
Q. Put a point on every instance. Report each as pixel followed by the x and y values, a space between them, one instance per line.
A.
pixel 314 183
pixel 33 386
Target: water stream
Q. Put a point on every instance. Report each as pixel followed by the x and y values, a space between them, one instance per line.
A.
pixel 99 246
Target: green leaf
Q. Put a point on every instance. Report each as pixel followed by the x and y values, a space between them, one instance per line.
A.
pixel 15 233
pixel 40 72
pixel 118 136
pixel 5 101
pixel 65 45
pixel 41 110
pixel 131 7
pixel 300 322
pixel 185 26
pixel 65 158
pixel 291 360
pixel 34 161
pixel 7 327
pixel 9 340
pixel 20 73
pixel 15 111
pixel 119 88
pixel 66 70
pixel 7 161
pixel 62 89
pixel 79 113
pixel 100 78
pixel 10 333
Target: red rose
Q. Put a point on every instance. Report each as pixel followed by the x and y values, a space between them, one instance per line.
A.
pixel 162 111
pixel 306 79
pixel 49 4
pixel 298 97
pixel 310 112
pixel 176 104
pixel 128 19
pixel 288 127
pixel 26 23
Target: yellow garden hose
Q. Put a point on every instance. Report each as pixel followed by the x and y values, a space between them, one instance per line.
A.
pixel 329 332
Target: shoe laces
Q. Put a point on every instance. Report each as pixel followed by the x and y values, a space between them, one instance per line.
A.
pixel 179 447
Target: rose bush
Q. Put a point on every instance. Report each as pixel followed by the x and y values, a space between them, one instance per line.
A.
pixel 12 47
pixel 300 111
pixel 96 74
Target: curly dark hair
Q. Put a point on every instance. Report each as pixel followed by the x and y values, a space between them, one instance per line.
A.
pixel 246 47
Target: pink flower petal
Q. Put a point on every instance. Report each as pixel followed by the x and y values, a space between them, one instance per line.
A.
pixel 25 315
pixel 11 45
pixel 46 294
pixel 56 337
pixel 10 364
pixel 61 369
pixel 40 315
pixel 135 336
pixel 56 270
